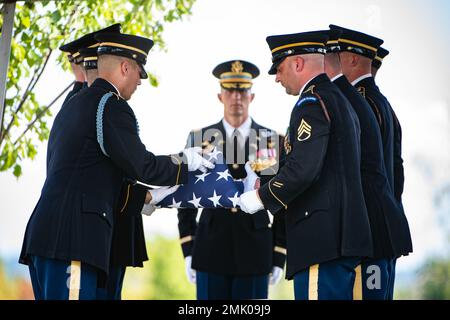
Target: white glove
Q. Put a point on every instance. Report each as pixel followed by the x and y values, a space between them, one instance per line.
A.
pixel 195 161
pixel 190 273
pixel 276 275
pixel 251 181
pixel 250 203
pixel 159 194
pixel 148 209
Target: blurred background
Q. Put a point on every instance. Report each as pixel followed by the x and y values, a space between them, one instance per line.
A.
pixel 414 77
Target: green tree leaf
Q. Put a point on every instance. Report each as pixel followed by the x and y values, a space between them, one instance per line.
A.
pixel 39 29
pixel 17 170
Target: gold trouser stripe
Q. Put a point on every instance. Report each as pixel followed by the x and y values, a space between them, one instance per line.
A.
pixel 126 199
pixel 186 239
pixel 273 194
pixel 357 286
pixel 179 169
pixel 74 280
pixel 313 285
pixel 280 250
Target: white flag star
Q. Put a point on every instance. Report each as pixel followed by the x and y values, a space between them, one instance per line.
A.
pixel 195 201
pixel 175 204
pixel 213 154
pixel 215 199
pixel 201 177
pixel 234 199
pixel 223 175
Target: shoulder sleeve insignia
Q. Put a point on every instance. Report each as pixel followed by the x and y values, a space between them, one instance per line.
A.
pixel 304 131
pixel 306 100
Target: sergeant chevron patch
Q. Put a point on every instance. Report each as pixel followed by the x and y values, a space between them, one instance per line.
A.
pixel 304 131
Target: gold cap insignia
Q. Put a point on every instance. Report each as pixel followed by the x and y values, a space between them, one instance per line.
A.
pixel 237 67
pixel 304 131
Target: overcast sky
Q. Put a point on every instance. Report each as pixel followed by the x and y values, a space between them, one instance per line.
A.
pixel 414 77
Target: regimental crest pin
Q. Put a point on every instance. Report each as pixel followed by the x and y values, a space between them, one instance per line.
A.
pixel 304 131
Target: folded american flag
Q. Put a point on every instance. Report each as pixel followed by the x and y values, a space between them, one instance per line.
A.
pixel 215 188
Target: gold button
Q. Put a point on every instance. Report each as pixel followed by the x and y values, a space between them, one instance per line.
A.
pixel 234 210
pixel 235 166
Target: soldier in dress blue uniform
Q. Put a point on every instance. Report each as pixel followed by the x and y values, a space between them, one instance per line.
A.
pixel 128 240
pixel 357 51
pixel 94 144
pixel 229 254
pixel 77 69
pixel 399 177
pixel 378 60
pixel 84 76
pixel 380 201
pixel 319 185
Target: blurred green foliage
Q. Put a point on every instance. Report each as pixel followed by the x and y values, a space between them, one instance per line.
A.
pixel 7 288
pixel 14 288
pixel 163 276
pixel 39 29
pixel 434 279
pixel 431 282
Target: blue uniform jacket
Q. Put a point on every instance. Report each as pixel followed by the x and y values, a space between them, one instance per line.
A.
pixel 319 185
pixel 73 219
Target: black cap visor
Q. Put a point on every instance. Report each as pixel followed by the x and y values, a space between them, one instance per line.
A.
pixel 142 71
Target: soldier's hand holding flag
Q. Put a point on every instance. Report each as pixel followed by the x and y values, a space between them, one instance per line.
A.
pixel 195 160
pixel 156 195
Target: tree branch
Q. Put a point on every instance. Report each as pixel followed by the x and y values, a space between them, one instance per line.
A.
pixel 26 93
pixel 35 79
pixel 40 114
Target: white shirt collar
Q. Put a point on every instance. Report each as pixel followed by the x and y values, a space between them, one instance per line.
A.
pixel 118 92
pixel 304 86
pixel 336 77
pixel 244 128
pixel 367 75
